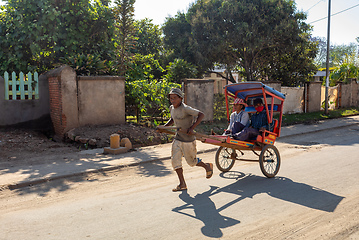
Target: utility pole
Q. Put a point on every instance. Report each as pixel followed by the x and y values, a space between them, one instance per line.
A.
pixel 327 63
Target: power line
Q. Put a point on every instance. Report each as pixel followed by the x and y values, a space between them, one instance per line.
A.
pixel 315 5
pixel 335 14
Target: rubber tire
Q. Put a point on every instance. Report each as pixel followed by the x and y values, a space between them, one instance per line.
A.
pixel 223 156
pixel 269 153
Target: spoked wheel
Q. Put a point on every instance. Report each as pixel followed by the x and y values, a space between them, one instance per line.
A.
pixel 269 161
pixel 225 158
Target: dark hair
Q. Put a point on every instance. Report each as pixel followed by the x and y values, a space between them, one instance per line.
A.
pixel 257 100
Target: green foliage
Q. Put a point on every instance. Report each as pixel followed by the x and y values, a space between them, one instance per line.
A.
pixel 143 67
pixel 179 69
pixel 259 36
pixel 143 96
pixel 344 72
pixel 86 65
pixel 338 54
pixel 177 31
pixel 220 111
pixel 149 39
pixel 35 34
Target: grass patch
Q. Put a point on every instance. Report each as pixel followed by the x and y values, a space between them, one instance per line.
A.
pixel 291 119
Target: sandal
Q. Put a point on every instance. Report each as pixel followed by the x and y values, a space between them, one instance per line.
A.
pixel 210 172
pixel 179 188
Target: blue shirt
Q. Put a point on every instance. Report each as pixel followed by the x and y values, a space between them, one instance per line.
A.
pixel 259 120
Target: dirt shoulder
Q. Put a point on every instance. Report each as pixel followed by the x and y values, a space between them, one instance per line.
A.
pixel 18 145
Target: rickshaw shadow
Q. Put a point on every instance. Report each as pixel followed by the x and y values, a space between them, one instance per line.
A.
pixel 247 186
pixel 279 187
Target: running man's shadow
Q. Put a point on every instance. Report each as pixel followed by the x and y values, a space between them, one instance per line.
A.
pixel 205 211
pixel 247 187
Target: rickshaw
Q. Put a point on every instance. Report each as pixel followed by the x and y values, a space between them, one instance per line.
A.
pixel 231 150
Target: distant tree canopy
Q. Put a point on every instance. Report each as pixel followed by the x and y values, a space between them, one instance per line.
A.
pixel 267 39
pixel 35 34
pixel 260 39
pixel 338 54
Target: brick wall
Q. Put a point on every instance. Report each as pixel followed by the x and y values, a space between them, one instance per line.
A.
pixel 55 105
pixel 63 99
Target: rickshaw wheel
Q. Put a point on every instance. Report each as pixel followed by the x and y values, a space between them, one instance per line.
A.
pixel 225 158
pixel 269 160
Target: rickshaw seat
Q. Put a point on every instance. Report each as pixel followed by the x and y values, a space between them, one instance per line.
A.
pixel 268 136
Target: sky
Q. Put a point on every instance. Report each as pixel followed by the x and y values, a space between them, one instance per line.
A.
pixel 344 26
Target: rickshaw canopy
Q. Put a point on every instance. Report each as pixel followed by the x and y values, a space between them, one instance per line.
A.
pixel 248 90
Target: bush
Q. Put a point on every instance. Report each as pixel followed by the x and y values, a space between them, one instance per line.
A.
pixel 86 65
pixel 143 96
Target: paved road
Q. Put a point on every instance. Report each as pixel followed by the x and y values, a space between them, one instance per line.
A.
pixel 314 196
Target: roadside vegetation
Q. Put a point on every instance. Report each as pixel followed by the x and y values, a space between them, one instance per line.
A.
pixel 268 40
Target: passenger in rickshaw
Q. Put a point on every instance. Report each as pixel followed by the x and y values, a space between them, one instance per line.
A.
pixel 239 119
pixel 259 123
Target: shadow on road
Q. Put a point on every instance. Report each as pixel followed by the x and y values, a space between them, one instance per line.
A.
pixel 282 188
pixel 70 168
pixel 247 187
pixel 205 211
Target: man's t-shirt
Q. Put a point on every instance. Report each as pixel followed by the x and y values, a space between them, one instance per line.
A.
pixel 184 117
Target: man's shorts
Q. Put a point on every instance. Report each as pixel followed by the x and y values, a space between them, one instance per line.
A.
pixel 186 149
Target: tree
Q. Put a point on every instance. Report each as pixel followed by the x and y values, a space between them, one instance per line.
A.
pixel 144 68
pixel 149 39
pixel 126 40
pixel 255 35
pixel 35 34
pixel 177 31
pixel 338 54
pixel 344 72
